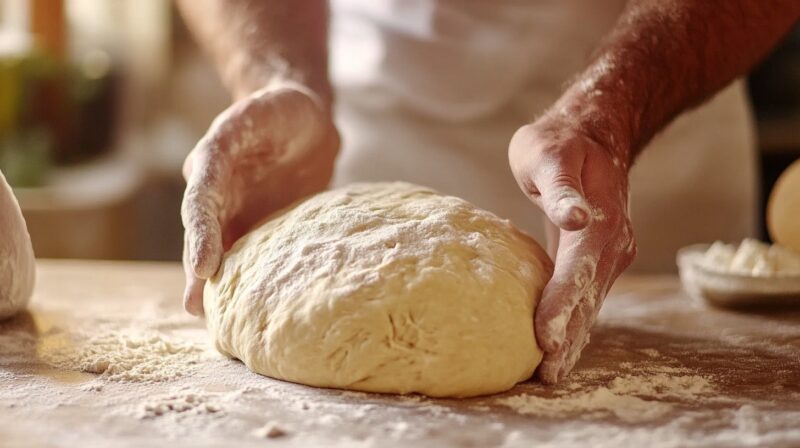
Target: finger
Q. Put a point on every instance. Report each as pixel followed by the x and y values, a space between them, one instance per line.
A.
pixel 574 280
pixel 201 210
pixel 555 366
pixel 290 121
pixel 193 296
pixel 559 184
pixel 193 290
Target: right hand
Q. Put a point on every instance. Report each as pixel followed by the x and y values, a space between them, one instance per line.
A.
pixel 261 154
pixel 582 187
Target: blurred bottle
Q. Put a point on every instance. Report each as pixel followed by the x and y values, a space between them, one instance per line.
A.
pixel 24 148
pixel 71 73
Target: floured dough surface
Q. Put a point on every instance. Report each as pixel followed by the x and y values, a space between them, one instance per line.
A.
pixel 17 268
pixel 385 287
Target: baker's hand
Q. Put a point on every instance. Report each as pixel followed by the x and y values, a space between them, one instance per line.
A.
pixel 259 155
pixel 582 187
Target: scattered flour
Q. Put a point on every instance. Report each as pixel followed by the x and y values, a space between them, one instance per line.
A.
pixel 749 427
pixel 15 344
pixel 361 412
pixel 651 352
pixel 631 399
pixel 602 400
pixel 126 355
pixel 270 430
pixel 191 402
pixel 684 387
pixel 329 420
pixel 153 380
pixel 398 429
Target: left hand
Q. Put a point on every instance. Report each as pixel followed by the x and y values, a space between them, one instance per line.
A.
pixel 265 151
pixel 582 187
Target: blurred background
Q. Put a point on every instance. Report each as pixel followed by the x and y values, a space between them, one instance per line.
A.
pixel 100 101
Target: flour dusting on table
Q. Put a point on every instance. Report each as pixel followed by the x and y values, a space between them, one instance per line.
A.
pixel 127 355
pixel 143 374
pixel 629 398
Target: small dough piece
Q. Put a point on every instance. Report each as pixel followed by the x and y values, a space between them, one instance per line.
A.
pixel 17 267
pixel 384 287
pixel 783 209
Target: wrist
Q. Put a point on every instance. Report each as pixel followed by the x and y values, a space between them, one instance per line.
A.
pixel 609 121
pixel 243 77
pixel 320 94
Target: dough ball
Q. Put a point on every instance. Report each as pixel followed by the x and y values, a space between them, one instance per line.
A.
pixel 385 287
pixel 783 209
pixel 17 268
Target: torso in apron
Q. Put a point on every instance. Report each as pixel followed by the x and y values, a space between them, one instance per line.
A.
pixel 431 91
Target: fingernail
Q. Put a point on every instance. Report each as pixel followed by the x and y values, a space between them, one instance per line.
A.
pixel 578 214
pixel 550 345
pixel 574 211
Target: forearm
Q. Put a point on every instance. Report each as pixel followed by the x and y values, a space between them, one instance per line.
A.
pixel 255 43
pixel 665 56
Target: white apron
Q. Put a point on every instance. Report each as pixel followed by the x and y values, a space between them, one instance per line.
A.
pixel 430 91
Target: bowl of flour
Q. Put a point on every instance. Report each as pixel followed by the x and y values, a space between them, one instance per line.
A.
pixel 748 274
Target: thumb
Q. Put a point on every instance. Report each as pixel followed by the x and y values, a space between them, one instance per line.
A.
pixel 562 196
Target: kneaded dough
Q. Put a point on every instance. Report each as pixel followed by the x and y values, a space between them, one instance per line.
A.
pixel 384 287
pixel 17 268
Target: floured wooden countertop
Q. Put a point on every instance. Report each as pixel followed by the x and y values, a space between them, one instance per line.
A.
pixel 107 357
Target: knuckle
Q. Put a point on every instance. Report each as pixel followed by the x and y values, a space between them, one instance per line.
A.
pixel 521 170
pixel 633 250
pixel 534 151
pixel 212 144
pixel 296 101
pixel 626 242
pixel 525 145
pixel 219 120
pixel 526 134
pixel 529 187
pixel 564 180
pixel 523 173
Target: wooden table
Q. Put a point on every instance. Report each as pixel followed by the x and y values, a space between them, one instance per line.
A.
pixel 660 371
